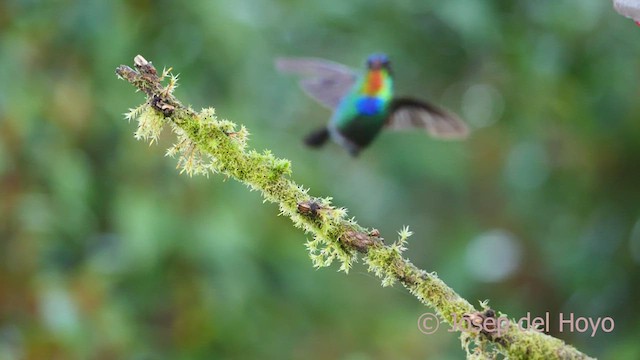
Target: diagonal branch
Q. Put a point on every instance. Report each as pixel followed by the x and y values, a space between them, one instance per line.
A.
pixel 208 145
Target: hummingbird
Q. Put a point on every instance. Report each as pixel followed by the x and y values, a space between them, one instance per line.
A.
pixel 364 103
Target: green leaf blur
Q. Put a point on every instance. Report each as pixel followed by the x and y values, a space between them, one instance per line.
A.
pixel 106 251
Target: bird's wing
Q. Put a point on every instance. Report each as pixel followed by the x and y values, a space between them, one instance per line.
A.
pixel 411 114
pixel 325 81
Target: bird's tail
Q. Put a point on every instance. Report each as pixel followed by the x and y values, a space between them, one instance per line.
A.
pixel 317 138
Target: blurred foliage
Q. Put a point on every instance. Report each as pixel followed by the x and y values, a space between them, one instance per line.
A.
pixel 106 252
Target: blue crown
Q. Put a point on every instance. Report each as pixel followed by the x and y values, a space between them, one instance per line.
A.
pixel 378 58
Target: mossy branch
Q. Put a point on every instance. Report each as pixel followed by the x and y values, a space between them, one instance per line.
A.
pixel 208 145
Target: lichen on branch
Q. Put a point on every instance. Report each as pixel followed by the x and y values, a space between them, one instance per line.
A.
pixel 207 145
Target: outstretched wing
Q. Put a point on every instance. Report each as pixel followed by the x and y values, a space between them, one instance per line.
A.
pixel 325 81
pixel 411 114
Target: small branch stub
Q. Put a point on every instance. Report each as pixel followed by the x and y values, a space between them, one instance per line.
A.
pixel 358 240
pixel 309 208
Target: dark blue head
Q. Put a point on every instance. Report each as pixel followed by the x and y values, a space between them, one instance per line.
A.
pixel 378 61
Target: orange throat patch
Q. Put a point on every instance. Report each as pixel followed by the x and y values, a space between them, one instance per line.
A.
pixel 374 82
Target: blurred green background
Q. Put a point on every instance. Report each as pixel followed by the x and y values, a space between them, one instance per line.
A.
pixel 106 252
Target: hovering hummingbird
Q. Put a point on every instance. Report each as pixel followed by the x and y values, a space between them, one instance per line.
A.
pixel 364 104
